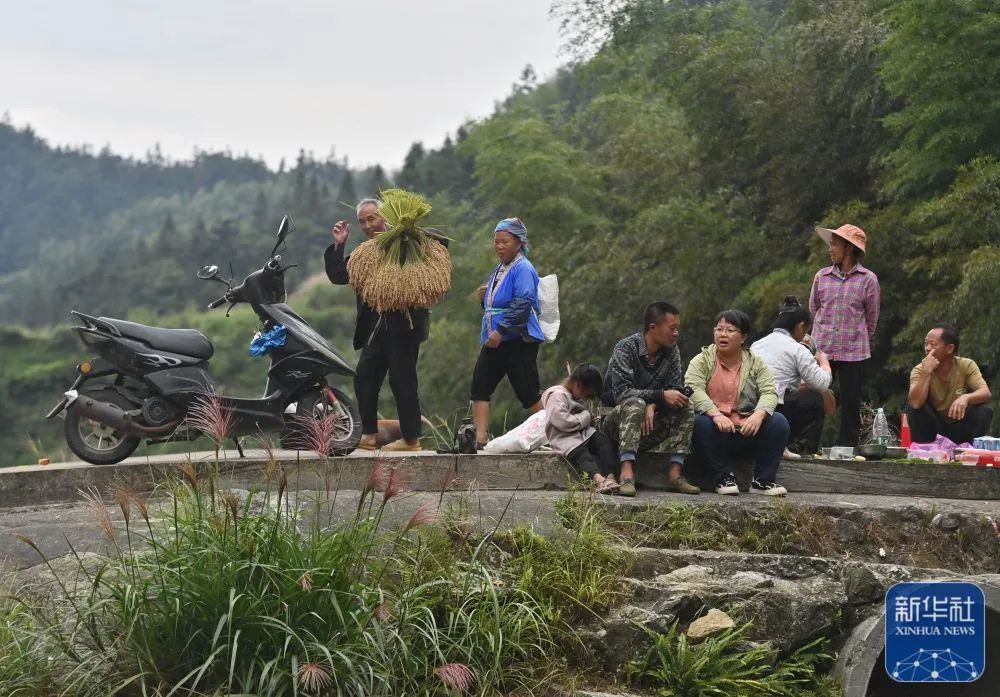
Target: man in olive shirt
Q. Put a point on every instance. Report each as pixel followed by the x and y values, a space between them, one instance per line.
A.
pixel 948 395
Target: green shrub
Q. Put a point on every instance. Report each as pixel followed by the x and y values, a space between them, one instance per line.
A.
pixel 24 670
pixel 725 665
pixel 577 570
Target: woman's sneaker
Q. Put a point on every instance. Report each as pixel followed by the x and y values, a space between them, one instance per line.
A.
pixel 727 486
pixel 767 487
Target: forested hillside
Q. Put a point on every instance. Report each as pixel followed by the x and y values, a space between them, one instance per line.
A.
pixel 133 233
pixel 688 157
pixel 691 158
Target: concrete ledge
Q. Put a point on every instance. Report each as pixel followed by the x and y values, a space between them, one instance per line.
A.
pixel 543 470
pixel 427 471
pixel 35 484
pixel 851 477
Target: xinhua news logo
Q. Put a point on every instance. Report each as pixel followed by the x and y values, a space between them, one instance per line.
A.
pixel 935 632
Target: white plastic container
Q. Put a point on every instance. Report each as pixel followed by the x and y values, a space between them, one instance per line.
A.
pixel 931 455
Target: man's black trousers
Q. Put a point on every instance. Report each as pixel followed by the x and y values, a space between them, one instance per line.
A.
pixel 397 357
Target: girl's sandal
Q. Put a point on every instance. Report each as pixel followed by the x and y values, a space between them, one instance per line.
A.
pixel 608 486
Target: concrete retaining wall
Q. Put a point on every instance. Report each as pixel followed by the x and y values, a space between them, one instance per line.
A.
pixel 34 484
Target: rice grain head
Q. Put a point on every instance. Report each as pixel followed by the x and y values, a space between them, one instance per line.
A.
pixel 390 287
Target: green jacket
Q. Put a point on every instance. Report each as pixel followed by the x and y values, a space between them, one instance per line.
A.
pixel 757 389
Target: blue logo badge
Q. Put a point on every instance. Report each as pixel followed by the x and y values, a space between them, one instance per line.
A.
pixel 935 632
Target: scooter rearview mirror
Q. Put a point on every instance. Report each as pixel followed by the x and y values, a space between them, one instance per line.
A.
pixel 207 273
pixel 211 273
pixel 283 229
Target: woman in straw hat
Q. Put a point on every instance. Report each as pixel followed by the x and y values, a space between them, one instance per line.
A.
pixel 845 304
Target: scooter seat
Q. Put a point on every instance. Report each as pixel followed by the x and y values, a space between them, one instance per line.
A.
pixel 186 342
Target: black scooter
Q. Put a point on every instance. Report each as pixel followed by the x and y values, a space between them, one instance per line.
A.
pixel 147 379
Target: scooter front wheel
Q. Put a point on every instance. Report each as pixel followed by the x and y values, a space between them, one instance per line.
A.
pixel 321 421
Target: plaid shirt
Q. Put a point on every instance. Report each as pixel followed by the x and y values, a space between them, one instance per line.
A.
pixel 631 373
pixel 845 312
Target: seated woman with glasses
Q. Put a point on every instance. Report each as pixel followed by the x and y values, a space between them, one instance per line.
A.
pixel 734 400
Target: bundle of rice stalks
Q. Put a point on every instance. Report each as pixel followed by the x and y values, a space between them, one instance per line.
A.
pixel 405 267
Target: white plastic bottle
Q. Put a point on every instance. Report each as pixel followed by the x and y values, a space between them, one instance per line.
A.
pixel 880 429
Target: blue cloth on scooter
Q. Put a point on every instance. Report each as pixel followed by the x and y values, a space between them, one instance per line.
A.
pixel 272 338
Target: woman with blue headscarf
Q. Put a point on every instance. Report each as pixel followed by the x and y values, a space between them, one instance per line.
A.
pixel 510 331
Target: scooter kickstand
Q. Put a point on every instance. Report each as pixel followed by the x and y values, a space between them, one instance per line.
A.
pixel 239 447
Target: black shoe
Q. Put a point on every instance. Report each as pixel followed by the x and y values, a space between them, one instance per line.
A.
pixel 767 487
pixel 727 486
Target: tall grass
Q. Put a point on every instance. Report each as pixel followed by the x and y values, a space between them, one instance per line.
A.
pixel 577 570
pixel 250 597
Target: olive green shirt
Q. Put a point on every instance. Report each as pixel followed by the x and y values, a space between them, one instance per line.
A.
pixel 757 389
pixel 964 378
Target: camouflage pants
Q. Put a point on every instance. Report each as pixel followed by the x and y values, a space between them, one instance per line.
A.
pixel 672 428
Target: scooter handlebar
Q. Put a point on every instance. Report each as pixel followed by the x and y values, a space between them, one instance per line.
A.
pixel 217 303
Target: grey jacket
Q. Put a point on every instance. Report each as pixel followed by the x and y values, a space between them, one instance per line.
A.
pixel 567 423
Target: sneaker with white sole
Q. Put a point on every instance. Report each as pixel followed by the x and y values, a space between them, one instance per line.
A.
pixel 767 487
pixel 727 486
pixel 789 455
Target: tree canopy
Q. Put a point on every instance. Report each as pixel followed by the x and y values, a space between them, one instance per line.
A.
pixel 686 152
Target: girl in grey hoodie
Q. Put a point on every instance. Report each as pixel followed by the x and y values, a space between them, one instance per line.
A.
pixel 569 428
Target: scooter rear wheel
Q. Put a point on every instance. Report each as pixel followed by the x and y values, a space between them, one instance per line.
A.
pixel 341 431
pixel 94 442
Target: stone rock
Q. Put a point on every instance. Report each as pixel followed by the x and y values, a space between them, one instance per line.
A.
pixel 682 608
pixel 751 580
pixel 947 521
pixel 693 573
pixel 715 622
pixel 613 640
pixel 908 514
pixel 861 585
pixel 846 531
pixel 788 620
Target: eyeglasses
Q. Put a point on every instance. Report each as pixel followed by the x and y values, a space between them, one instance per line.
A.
pixel 726 330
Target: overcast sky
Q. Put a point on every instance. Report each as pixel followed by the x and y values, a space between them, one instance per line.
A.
pixel 267 77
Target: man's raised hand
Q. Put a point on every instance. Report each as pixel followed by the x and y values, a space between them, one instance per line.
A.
pixel 341 229
pixel 930 363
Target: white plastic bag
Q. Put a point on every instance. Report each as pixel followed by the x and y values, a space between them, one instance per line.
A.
pixel 548 306
pixel 525 438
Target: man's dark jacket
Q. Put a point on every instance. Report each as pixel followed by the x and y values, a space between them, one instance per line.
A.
pixel 393 324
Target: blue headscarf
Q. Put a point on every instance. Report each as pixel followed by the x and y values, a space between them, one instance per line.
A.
pixel 515 227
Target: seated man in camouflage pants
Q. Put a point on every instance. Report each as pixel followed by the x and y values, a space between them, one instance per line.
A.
pixel 651 412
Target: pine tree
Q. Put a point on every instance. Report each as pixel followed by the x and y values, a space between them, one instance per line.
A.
pixel 347 193
pixel 411 176
pixel 261 211
pixel 379 181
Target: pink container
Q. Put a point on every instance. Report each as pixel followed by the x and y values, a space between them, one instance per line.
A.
pixel 968 458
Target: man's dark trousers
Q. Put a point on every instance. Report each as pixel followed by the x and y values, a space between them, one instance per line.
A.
pixel 397 357
pixel 926 424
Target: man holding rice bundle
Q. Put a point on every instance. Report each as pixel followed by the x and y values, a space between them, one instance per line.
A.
pixel 388 332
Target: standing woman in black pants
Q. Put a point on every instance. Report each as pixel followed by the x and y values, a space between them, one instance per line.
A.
pixel 845 304
pixel 510 330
